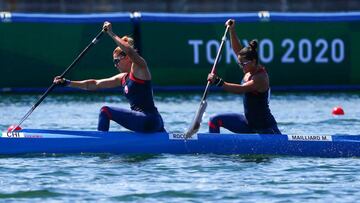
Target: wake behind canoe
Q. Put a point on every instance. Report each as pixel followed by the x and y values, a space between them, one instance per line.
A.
pixel 29 141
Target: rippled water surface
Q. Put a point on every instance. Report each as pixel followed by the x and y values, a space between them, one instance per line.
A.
pixel 181 178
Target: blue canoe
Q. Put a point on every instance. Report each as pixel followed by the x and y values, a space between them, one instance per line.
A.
pixel 30 141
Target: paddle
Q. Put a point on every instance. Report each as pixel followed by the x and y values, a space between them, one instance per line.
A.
pixel 195 125
pixel 53 85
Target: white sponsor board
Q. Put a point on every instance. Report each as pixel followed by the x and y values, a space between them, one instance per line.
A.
pixel 181 136
pixel 326 138
pixel 12 135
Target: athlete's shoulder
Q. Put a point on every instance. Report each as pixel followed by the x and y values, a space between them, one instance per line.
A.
pixel 121 75
pixel 261 73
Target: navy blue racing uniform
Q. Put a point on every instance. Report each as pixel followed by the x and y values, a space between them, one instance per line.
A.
pixel 257 118
pixel 143 116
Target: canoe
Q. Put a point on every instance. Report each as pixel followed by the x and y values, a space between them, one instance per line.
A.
pixel 30 141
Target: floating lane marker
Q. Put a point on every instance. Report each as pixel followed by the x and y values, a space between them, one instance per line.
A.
pixel 322 138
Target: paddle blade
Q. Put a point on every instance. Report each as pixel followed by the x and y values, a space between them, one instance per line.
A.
pixel 195 125
pixel 12 128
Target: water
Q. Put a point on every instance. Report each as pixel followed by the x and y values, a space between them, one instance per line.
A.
pixel 181 178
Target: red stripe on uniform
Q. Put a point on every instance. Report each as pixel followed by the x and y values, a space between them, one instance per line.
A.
pixel 133 78
pixel 212 125
pixel 106 111
pixel 123 79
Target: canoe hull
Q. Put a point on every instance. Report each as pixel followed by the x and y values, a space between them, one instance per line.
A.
pixel 65 142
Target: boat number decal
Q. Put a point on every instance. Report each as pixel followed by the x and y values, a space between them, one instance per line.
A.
pixel 310 138
pixel 181 136
pixel 12 135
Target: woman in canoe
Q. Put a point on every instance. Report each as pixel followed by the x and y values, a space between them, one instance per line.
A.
pixel 135 80
pixel 256 89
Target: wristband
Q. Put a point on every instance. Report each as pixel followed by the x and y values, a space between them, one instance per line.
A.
pixel 66 82
pixel 219 82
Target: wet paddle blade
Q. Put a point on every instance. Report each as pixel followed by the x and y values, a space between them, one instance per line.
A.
pixel 195 125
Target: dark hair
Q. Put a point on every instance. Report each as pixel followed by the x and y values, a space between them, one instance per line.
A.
pixel 250 52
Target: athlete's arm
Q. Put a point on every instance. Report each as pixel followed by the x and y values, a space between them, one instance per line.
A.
pixel 235 42
pixel 140 68
pixel 92 84
pixel 258 83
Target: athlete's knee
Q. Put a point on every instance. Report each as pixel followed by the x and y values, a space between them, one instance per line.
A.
pixel 105 111
pixel 215 121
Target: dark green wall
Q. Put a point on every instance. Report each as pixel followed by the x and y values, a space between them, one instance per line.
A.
pixel 181 53
pixel 31 54
pixel 302 53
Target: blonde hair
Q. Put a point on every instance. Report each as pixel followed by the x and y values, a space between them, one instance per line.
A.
pixel 127 39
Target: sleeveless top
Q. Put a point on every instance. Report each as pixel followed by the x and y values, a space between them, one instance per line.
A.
pixel 139 94
pixel 256 107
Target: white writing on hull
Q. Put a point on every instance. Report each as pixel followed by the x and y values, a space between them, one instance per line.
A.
pixel 181 136
pixel 12 135
pixel 310 138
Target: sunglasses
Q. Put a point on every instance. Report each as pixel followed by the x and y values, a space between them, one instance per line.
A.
pixel 122 55
pixel 242 64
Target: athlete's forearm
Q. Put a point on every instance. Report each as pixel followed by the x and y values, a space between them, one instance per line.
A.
pixel 122 44
pixel 235 42
pixel 238 88
pixel 90 84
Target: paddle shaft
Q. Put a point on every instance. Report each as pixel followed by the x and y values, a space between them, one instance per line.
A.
pixel 215 63
pixel 53 85
pixel 194 127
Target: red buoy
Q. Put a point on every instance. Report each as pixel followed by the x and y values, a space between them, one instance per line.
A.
pixel 10 128
pixel 338 111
